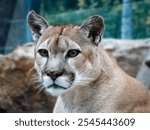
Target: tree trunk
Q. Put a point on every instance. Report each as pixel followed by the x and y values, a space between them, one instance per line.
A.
pixel 18 33
pixel 6 11
pixel 126 28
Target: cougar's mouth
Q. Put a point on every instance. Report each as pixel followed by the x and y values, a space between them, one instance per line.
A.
pixel 56 86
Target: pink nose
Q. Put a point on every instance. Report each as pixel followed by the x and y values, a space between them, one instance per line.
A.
pixel 54 74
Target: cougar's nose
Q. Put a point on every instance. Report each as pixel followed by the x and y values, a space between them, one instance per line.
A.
pixel 54 74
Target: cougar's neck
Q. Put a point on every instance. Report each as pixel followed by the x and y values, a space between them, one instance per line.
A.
pixel 80 94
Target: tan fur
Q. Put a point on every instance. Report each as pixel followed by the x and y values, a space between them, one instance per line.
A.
pixel 99 84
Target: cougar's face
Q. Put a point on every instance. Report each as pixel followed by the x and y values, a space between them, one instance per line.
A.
pixel 62 62
pixel 65 56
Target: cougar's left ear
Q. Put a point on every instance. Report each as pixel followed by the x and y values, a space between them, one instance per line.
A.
pixel 93 28
pixel 37 24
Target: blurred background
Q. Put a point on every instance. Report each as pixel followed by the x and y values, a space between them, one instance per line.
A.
pixel 126 38
pixel 128 19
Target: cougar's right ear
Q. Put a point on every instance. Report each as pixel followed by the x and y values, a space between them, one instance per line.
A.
pixel 93 28
pixel 37 24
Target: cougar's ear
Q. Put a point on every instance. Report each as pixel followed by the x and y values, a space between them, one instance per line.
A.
pixel 93 28
pixel 37 24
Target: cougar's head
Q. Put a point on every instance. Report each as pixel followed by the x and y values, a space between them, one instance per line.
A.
pixel 66 56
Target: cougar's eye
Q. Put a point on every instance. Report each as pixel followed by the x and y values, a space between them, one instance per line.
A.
pixel 43 52
pixel 73 53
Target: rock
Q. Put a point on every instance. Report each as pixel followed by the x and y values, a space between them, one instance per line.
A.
pixel 144 71
pixel 144 75
pixel 129 54
pixel 18 92
pixel 147 60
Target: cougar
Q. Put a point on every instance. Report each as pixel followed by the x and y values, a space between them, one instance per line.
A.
pixel 73 65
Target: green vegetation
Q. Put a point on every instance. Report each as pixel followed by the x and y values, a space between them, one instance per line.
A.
pixel 14 29
pixel 75 11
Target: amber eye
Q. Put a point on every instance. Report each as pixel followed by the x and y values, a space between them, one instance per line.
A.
pixel 43 52
pixel 73 53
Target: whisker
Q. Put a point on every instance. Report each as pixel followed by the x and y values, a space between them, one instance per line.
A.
pixel 40 89
pixel 36 79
